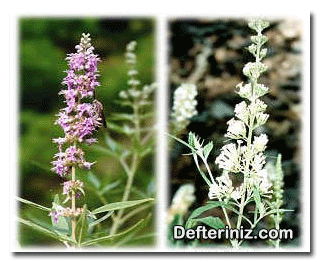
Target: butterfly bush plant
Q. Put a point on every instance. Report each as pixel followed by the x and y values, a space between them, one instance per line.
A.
pixel 242 156
pixel 73 224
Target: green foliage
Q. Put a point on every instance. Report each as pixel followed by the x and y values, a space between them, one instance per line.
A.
pixel 46 231
pixel 193 218
pixel 113 239
pixel 60 230
pixel 244 191
pixel 33 204
pixel 44 43
pixel 119 205
pixel 213 222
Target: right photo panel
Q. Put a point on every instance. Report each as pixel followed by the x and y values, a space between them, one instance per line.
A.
pixel 236 159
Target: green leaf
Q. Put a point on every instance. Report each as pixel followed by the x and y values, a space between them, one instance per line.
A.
pixel 213 222
pixel 181 141
pixel 33 204
pixel 207 149
pixel 45 231
pixel 210 205
pixel 191 139
pixel 190 222
pixel 130 234
pixel 120 236
pixel 230 207
pixel 98 221
pixel 120 205
pixel 194 153
pixel 33 216
pixel 82 226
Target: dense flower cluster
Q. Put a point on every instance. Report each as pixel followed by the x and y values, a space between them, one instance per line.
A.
pixel 78 119
pixel 246 154
pixel 184 105
pixel 224 188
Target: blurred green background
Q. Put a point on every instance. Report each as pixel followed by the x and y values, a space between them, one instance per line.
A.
pixel 43 46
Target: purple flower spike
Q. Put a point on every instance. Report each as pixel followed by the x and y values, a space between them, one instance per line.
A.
pixel 78 120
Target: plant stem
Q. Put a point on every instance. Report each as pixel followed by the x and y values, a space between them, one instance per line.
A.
pixel 223 208
pixel 249 155
pixel 73 206
pixel 130 173
pixel 247 174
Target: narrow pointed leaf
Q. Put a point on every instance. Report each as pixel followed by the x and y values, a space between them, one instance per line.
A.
pixel 46 231
pixel 213 222
pixel 113 238
pixel 120 205
pixel 196 213
pixel 33 204
pixel 98 221
pixel 207 149
pixel 130 234
pixel 181 141
pixel 191 139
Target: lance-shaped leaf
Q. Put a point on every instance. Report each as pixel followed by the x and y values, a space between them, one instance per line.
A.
pixel 46 231
pixel 207 149
pixel 120 205
pixel 98 221
pixel 33 204
pixel 120 236
pixel 196 213
pixel 213 222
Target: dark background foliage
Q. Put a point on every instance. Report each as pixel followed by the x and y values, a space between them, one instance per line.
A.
pixel 43 45
pixel 229 39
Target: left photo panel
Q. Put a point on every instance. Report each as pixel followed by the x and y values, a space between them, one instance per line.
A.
pixel 86 168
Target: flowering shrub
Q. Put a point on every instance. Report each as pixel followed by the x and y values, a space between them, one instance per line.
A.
pixel 73 224
pixel 243 156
